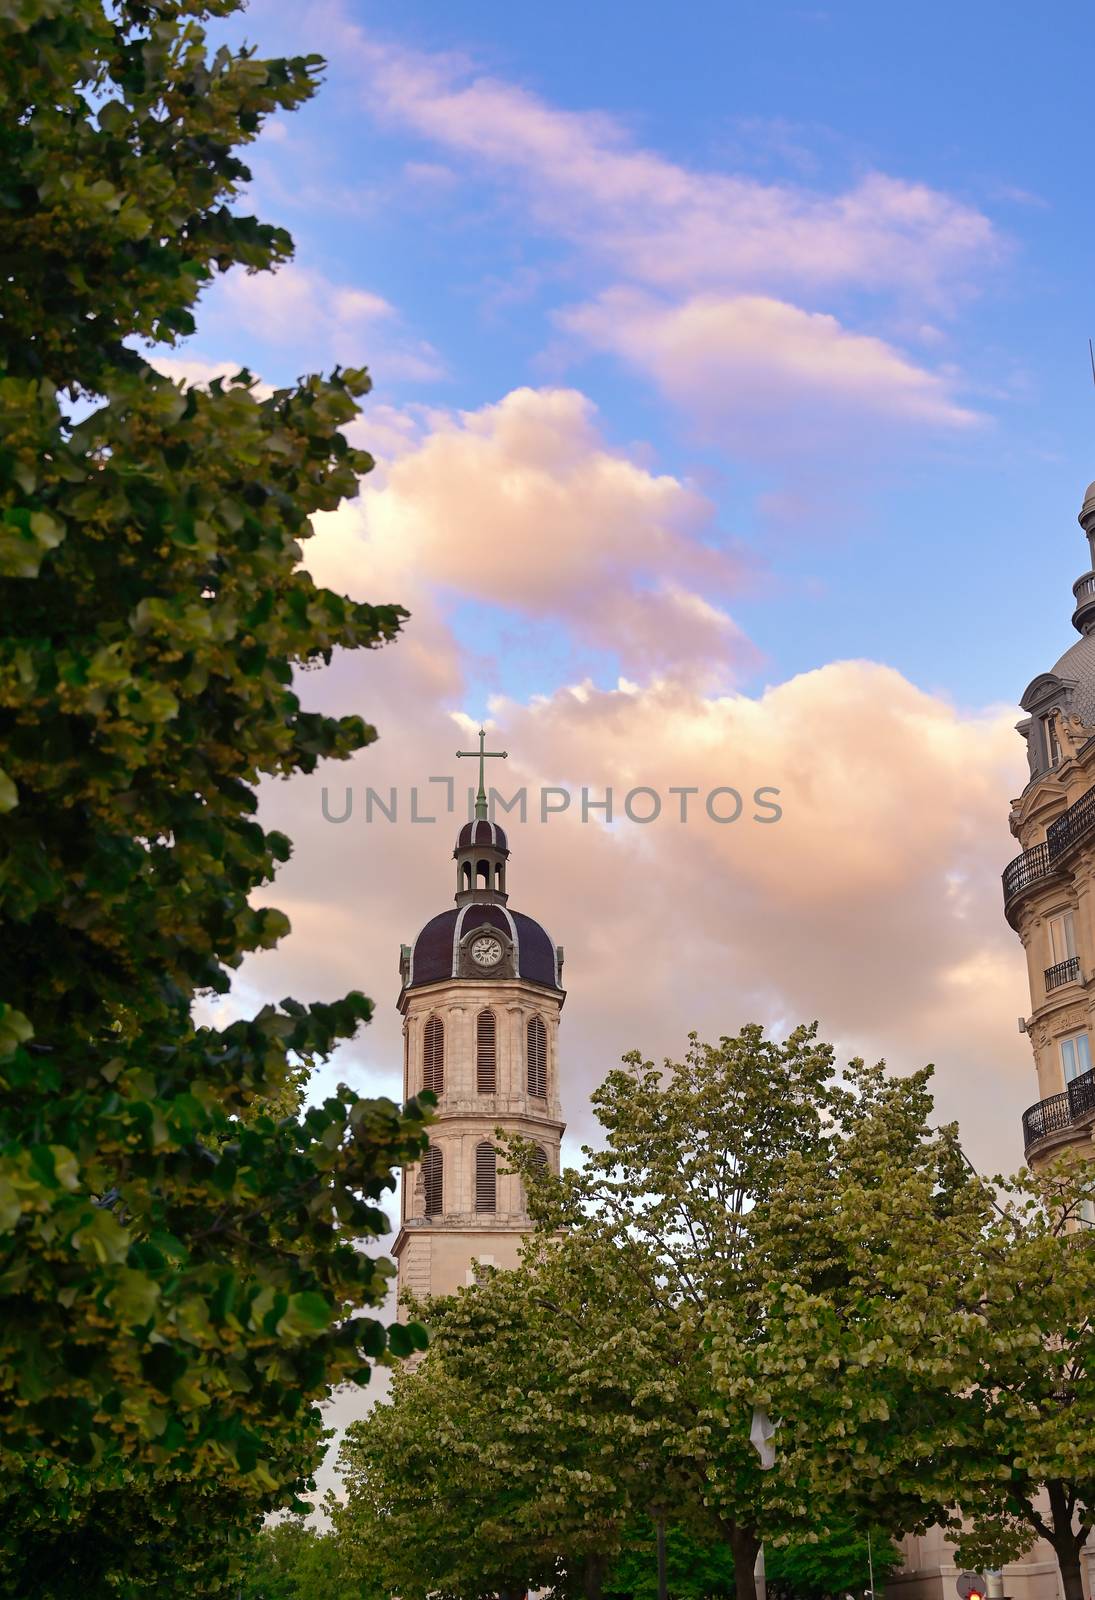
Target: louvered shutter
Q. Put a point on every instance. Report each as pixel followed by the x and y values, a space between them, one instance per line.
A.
pixel 486 1177
pixel 537 1058
pixel 433 1056
pixel 433 1173
pixel 486 1055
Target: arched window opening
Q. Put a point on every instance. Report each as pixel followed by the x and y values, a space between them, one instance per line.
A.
pixel 539 1159
pixel 465 874
pixel 482 874
pixel 486 1177
pixel 486 1053
pixel 500 878
pixel 433 1181
pixel 433 1056
pixel 537 1058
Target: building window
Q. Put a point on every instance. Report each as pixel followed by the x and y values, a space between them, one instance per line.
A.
pixel 1053 748
pixel 486 1053
pixel 537 1058
pixel 433 1056
pixel 433 1180
pixel 486 1177
pixel 1075 1056
pixel 1062 937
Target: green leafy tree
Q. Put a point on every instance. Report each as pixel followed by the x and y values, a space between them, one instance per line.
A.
pixel 180 1280
pixel 291 1560
pixel 927 1342
pixel 692 1153
pixel 833 1563
pixel 695 1569
pixel 572 1400
pixel 837 1562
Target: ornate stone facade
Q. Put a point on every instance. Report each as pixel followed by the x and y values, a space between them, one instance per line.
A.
pixel 1049 890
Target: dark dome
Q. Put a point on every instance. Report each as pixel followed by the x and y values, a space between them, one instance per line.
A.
pixel 433 954
pixel 481 832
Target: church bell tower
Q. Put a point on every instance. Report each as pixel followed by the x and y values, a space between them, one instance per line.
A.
pixel 480 998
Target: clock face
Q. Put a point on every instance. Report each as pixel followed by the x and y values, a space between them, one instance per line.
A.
pixel 486 951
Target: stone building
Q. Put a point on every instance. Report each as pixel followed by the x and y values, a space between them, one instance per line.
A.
pixel 1049 890
pixel 1049 899
pixel 481 997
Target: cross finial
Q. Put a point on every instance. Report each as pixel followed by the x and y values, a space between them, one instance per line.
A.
pixel 484 755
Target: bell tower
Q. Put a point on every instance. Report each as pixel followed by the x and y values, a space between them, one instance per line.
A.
pixel 481 997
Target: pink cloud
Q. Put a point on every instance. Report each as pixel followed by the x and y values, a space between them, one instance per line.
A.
pixel 762 371
pixel 873 904
pixel 523 505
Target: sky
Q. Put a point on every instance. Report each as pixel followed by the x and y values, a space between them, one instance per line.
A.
pixel 732 410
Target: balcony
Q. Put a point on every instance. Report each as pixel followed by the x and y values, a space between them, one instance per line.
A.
pixel 1072 826
pixel 1060 1112
pixel 1063 972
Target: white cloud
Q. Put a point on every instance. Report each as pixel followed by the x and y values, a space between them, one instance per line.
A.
pixel 769 372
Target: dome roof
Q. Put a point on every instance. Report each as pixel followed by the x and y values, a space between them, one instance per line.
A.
pixel 434 952
pixel 481 832
pixel 1077 667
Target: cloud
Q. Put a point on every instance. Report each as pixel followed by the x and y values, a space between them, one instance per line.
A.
pixel 584 176
pixel 773 375
pixel 522 505
pixel 873 904
pixel 298 310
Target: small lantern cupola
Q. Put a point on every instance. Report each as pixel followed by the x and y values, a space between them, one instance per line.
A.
pixel 482 849
pixel 1083 618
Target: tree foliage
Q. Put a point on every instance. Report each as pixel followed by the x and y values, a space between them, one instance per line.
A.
pixel 292 1560
pixel 179 1275
pixel 927 1339
pixel 566 1403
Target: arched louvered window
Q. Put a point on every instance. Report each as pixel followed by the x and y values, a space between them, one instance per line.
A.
pixel 486 1177
pixel 537 1058
pixel 433 1181
pixel 433 1056
pixel 539 1161
pixel 486 1053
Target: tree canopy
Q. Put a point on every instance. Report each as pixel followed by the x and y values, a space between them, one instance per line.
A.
pixel 180 1277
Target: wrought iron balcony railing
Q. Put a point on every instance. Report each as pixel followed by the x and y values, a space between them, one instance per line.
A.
pixel 1077 823
pixel 1060 1111
pixel 1067 971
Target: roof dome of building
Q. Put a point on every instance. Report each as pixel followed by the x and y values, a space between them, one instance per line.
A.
pixel 1077 668
pixel 435 953
pixel 480 831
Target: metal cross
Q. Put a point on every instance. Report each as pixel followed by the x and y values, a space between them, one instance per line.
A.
pixel 484 755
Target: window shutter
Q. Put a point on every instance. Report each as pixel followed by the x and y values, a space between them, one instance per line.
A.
pixel 486 1075
pixel 537 1058
pixel 433 1056
pixel 433 1172
pixel 486 1177
pixel 539 1158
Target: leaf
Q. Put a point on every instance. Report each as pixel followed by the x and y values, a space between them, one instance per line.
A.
pixel 307 1313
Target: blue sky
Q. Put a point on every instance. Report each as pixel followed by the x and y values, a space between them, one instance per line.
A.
pixel 946 553
pixel 732 413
